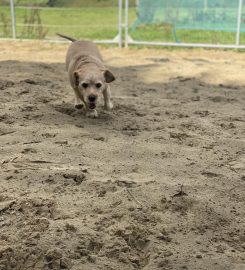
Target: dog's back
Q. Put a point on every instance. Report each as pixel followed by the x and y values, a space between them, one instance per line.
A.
pixel 82 48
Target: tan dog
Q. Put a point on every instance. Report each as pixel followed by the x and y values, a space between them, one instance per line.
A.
pixel 88 76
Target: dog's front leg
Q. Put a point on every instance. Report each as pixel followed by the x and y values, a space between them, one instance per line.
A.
pixel 91 113
pixel 107 98
pixel 78 102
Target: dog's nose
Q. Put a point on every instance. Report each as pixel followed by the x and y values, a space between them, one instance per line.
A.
pixel 92 98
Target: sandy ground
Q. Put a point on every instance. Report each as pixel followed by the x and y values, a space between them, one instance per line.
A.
pixel 158 183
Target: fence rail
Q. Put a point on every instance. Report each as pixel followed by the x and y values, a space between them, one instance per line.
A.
pixel 205 23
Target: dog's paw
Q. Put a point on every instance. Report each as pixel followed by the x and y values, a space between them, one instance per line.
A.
pixel 109 106
pixel 92 114
pixel 79 106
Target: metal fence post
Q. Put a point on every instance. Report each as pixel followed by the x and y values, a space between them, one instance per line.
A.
pixel 120 23
pixel 126 23
pixel 239 20
pixel 13 19
pixel 205 5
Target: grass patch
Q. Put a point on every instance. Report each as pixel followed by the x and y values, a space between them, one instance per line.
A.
pixel 166 33
pixel 90 23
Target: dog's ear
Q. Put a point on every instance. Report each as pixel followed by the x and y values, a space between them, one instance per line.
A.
pixel 109 77
pixel 76 78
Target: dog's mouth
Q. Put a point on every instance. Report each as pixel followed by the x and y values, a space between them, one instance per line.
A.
pixel 92 105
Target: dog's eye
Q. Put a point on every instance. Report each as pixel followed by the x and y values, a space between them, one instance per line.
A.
pixel 84 85
pixel 98 85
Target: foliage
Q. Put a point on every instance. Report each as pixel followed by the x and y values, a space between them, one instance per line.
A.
pixel 5 24
pixel 33 27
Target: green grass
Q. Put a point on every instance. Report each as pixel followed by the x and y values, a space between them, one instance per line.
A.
pixel 101 23
pixel 90 23
pixel 165 33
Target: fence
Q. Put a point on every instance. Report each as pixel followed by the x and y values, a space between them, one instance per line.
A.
pixel 189 23
pixel 25 19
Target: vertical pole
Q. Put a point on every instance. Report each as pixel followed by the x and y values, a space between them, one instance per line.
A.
pixel 239 20
pixel 13 19
pixel 120 23
pixel 205 5
pixel 126 23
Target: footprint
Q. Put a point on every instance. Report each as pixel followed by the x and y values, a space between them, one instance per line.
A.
pixel 65 109
pixel 5 130
pixel 5 84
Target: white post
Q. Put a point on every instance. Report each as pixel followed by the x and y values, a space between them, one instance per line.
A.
pixel 126 23
pixel 120 23
pixel 13 19
pixel 205 5
pixel 239 20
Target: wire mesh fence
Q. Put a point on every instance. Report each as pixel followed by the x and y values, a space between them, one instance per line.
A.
pixel 42 19
pixel 210 23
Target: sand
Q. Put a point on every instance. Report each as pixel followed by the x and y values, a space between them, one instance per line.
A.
pixel 157 183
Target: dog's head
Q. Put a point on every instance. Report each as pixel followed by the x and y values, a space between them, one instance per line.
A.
pixel 91 84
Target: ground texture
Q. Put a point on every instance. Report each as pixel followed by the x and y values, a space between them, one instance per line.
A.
pixel 158 183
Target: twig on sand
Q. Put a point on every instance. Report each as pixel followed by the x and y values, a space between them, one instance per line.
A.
pixel 181 192
pixel 137 201
pixel 31 142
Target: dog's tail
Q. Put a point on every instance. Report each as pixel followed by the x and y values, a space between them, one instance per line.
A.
pixel 69 38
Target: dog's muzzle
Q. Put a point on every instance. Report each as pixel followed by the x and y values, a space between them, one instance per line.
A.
pixel 92 102
pixel 92 106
